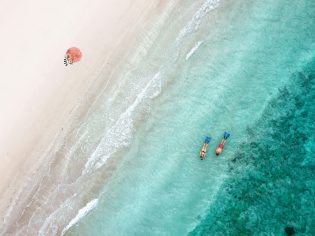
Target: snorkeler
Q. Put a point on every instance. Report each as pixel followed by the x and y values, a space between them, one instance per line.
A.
pixel 204 148
pixel 218 151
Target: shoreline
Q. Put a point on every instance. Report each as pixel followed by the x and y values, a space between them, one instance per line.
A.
pixel 47 123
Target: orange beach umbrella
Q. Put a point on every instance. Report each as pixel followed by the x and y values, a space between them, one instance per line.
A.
pixel 72 55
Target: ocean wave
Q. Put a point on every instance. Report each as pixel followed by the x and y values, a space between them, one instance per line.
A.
pixel 195 22
pixel 193 50
pixel 81 213
pixel 120 134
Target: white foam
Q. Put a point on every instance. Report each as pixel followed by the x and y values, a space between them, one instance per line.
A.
pixel 194 23
pixel 119 135
pixel 193 50
pixel 81 213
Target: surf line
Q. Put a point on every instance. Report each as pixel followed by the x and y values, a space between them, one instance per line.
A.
pixel 193 50
pixel 81 213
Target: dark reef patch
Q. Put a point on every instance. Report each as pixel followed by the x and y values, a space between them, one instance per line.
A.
pixel 271 188
pixel 289 230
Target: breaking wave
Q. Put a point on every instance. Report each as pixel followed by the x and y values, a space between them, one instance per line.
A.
pixel 193 25
pixel 81 213
pixel 193 50
pixel 119 135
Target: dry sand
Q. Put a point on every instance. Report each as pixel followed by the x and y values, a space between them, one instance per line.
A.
pixel 37 92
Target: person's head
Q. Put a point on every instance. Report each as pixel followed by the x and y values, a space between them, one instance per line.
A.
pixel 218 151
pixel 202 155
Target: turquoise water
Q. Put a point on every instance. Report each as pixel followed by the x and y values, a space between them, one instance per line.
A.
pixel 253 75
pixel 271 185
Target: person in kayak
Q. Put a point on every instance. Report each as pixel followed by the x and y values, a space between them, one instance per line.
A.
pixel 204 148
pixel 218 151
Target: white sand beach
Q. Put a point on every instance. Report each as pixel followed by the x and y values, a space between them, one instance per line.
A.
pixel 37 92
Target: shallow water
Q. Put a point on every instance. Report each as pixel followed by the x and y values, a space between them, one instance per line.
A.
pixel 253 76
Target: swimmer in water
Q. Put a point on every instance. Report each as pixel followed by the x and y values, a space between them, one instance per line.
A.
pixel 218 151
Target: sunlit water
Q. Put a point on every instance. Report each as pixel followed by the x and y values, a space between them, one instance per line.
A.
pixel 226 69
pixel 131 165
